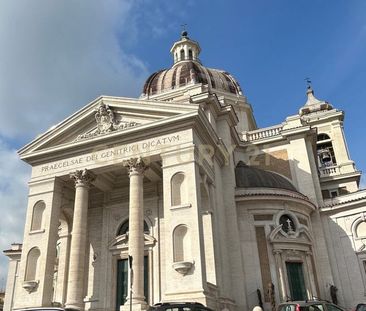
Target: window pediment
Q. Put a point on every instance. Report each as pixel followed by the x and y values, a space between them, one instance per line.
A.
pixel 301 236
pixel 121 242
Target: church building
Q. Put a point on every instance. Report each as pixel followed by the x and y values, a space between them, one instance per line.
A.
pixel 180 194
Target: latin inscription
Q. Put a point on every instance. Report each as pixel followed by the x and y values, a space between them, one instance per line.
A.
pixel 105 154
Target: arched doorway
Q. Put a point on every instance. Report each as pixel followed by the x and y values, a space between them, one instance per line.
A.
pixel 119 249
pixel 292 250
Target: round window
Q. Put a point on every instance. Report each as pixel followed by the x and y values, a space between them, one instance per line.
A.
pixel 287 223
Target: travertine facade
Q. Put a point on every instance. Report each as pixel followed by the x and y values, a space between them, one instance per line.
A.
pixel 211 208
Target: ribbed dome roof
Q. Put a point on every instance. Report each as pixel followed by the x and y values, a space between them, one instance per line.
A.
pixel 190 72
pixel 252 177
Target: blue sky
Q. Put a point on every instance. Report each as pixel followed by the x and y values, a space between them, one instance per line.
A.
pixel 56 56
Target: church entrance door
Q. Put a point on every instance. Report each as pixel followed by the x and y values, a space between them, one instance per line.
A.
pixel 296 281
pixel 122 281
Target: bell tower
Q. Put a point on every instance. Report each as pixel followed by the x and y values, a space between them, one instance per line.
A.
pixel 337 172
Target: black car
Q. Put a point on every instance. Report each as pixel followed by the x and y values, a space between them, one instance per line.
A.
pixel 179 306
pixel 361 307
pixel 311 305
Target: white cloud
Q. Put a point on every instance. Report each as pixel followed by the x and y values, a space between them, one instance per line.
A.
pixel 14 175
pixel 55 56
pixel 58 55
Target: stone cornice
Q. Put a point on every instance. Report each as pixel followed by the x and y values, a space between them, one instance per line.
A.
pixel 321 116
pixel 344 203
pixel 250 194
pixel 218 109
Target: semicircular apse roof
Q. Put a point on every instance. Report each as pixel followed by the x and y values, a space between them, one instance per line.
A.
pixel 252 177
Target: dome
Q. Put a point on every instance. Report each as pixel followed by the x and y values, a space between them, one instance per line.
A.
pixel 252 177
pixel 188 70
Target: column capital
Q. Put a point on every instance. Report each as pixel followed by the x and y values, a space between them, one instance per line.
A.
pixel 82 177
pixel 277 251
pixel 308 253
pixel 135 166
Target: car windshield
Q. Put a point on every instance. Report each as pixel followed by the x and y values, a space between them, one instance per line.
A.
pixel 317 307
pixel 288 307
pixel 312 307
pixel 171 308
pixel 361 307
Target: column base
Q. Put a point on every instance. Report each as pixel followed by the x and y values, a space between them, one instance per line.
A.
pixel 135 306
pixel 71 307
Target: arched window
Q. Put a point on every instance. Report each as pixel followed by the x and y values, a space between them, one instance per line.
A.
pixel 32 264
pixel 361 229
pixel 190 55
pixel 37 215
pixel 123 229
pixel 181 243
pixel 181 54
pixel 178 189
pixel 325 151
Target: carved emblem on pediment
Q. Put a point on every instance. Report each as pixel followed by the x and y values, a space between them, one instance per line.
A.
pixel 106 123
pixel 105 119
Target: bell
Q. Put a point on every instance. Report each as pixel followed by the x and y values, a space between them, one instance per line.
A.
pixel 324 156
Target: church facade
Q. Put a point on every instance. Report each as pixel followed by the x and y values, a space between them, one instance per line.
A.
pixel 181 193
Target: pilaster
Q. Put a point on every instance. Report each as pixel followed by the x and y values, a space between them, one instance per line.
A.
pixel 185 274
pixel 280 275
pixel 38 292
pixel 13 275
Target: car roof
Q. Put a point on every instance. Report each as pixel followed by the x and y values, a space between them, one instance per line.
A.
pixel 167 305
pixel 304 303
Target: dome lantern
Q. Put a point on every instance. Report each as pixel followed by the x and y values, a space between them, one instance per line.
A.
pixel 185 49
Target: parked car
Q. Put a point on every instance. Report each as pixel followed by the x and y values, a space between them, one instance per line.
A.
pixel 361 307
pixel 42 309
pixel 308 305
pixel 179 306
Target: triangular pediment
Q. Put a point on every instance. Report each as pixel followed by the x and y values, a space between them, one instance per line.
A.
pixel 107 116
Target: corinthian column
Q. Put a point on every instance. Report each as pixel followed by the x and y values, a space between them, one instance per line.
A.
pixel 136 232
pixel 75 288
